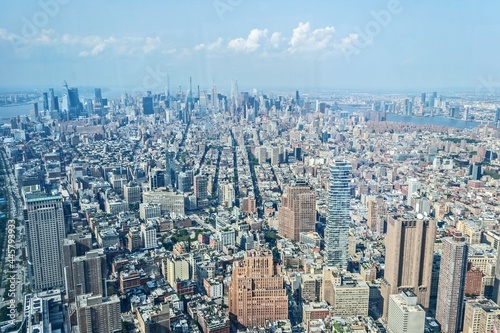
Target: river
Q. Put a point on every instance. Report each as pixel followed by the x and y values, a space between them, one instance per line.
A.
pixel 437 120
pixel 18 110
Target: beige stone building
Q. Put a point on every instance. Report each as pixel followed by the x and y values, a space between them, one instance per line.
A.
pixel 297 212
pixel 407 235
pixel 256 291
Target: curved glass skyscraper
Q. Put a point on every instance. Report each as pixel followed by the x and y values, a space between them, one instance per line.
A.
pixel 338 219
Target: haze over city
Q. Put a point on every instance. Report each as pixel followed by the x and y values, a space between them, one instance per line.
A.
pixel 237 166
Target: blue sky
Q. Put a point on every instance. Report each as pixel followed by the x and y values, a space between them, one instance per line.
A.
pixel 398 45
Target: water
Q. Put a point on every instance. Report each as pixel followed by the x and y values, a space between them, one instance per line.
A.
pixel 7 112
pixel 437 120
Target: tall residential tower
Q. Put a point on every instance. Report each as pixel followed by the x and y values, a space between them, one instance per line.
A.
pixel 450 302
pixel 338 220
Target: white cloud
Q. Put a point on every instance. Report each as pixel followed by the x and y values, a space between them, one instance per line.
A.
pixel 169 51
pixel 275 40
pixel 46 36
pixel 302 39
pixel 151 44
pixel 5 35
pixel 211 46
pixel 306 40
pixel 89 45
pixel 99 48
pixel 251 43
pixel 348 41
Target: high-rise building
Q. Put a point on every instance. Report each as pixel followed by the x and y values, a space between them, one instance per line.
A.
pixel 44 312
pixel 480 315
pixel 88 273
pixel 148 235
pixel 69 252
pixel 405 315
pixel 450 302
pixel 413 186
pixel 476 171
pixel 407 235
pixel 275 155
pixel 228 195
pixel 256 292
pixel 45 101
pixel 338 220
pixel 75 107
pixel 149 211
pixel 200 190
pixel 147 105
pixel 95 313
pixel 496 286
pixel 408 107
pixel 45 231
pixel 98 95
pixel 134 239
pixel 170 168
pixel 183 182
pixel 310 287
pixel 432 99
pixel 346 292
pixel 176 269
pixel 376 215
pixel 132 193
pixel 298 211
pixel 156 178
pixel 52 105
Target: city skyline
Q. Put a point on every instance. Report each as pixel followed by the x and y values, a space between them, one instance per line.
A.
pixel 239 166
pixel 381 45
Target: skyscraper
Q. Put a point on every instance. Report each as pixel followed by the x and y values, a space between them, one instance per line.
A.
pixel 170 168
pixel 147 105
pixel 45 101
pixel 132 193
pixel 88 273
pixel 413 187
pixel 256 292
pixel 409 256
pixel 337 223
pixel 298 211
pixel 496 286
pixel 476 171
pixel 157 178
pixel 376 214
pixel 98 314
pixel 52 105
pixel 98 95
pixel 75 107
pixel 45 231
pixel 200 190
pixel 450 302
